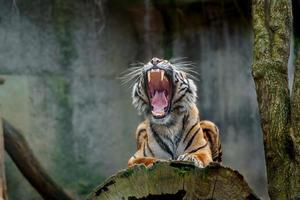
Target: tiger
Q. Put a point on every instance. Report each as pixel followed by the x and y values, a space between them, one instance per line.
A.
pixel 165 94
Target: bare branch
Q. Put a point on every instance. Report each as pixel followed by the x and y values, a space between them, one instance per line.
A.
pixel 21 154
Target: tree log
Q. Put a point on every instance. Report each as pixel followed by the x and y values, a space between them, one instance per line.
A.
pixel 174 180
pixel 23 157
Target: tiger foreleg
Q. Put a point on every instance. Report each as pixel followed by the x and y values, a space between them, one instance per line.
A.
pixel 148 161
pixel 201 158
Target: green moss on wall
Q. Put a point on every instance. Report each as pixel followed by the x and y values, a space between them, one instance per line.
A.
pixel 73 172
pixel 63 14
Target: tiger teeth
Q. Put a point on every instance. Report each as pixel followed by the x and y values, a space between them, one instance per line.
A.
pixel 158 113
pixel 162 74
pixel 149 77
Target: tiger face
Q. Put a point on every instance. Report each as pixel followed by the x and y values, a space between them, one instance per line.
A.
pixel 162 91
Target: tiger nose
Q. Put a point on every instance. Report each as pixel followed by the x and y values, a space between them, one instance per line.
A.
pixel 155 61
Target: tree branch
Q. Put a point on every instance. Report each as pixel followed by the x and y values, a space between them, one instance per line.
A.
pixel 174 180
pixel 21 154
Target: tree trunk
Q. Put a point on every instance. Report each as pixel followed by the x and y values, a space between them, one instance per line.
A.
pixel 3 189
pixel 23 157
pixel 174 180
pixel 272 31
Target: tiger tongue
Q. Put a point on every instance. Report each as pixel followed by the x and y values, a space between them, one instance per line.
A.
pixel 159 102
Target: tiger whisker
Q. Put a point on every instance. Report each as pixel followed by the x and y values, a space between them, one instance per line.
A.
pixel 177 59
pixel 132 74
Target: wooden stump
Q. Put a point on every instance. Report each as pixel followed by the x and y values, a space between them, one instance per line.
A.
pixel 174 180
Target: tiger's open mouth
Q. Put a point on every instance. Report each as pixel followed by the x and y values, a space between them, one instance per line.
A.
pixel 159 89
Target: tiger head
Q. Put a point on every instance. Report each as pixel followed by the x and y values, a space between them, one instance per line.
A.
pixel 162 90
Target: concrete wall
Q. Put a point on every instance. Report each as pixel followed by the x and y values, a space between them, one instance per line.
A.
pixel 61 60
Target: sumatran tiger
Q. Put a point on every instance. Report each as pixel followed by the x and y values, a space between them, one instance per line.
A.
pixel 166 95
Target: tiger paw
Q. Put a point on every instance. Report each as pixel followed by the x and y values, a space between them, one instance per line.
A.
pixel 191 158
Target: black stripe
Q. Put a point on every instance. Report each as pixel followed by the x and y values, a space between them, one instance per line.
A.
pixel 181 77
pixel 139 133
pixel 150 150
pixel 219 157
pixel 143 102
pixel 136 93
pixel 189 87
pixel 185 155
pixel 170 123
pixel 216 129
pixel 144 150
pixel 178 107
pixel 189 90
pixel 142 98
pixel 181 83
pixel 193 151
pixel 179 136
pixel 161 143
pixel 192 138
pixel 182 89
pixel 139 97
pixel 186 136
pixel 138 89
pixel 187 117
pixel 179 99
pixel 206 131
pixel 138 136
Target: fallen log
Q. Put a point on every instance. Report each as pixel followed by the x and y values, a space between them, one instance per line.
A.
pixel 174 180
pixel 20 152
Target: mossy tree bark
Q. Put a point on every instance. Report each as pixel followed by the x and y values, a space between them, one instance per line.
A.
pixel 272 22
